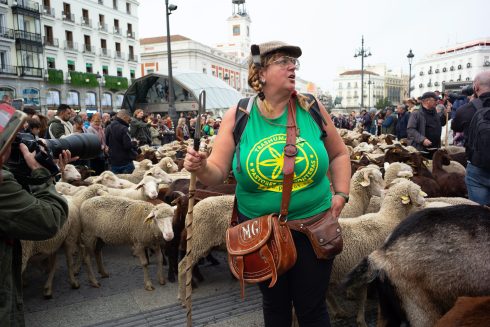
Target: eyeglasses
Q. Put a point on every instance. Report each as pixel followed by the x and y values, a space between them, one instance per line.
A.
pixel 285 61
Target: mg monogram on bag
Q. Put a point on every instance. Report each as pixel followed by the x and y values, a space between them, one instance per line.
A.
pixel 249 230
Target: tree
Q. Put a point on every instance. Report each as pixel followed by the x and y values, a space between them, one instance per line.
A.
pixel 383 103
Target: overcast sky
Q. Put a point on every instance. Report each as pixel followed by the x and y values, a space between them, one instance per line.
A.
pixel 329 31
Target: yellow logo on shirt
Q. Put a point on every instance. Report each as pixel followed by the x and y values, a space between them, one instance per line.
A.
pixel 266 159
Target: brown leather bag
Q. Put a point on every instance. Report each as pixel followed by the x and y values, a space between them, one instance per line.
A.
pixel 323 231
pixel 263 248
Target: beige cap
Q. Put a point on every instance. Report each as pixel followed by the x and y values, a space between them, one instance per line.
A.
pixel 277 46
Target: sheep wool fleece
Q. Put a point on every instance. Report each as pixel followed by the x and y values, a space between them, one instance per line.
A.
pixel 259 183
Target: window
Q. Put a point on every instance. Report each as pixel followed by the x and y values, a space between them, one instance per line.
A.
pixel 114 4
pixel 88 67
pixel 105 70
pixel 132 73
pixel 73 98
pixel 236 30
pixel 128 8
pixel 71 65
pixel 444 69
pixel 149 71
pixel 468 65
pixel 460 66
pixel 53 98
pixel 8 91
pixel 106 99
pixel 119 100
pixel 51 62
pixel 119 71
pixel 90 99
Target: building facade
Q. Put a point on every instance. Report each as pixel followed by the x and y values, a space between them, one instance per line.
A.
pixel 458 63
pixel 83 53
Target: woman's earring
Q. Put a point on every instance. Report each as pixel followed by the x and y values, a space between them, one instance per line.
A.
pixel 262 81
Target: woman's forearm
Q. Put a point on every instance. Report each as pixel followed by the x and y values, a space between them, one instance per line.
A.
pixel 210 174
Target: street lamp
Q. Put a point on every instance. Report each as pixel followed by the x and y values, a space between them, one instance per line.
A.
pixel 363 53
pixel 410 56
pixel 171 101
pixel 369 89
pixel 101 81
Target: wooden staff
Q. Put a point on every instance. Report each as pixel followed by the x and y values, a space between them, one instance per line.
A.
pixel 447 128
pixel 190 215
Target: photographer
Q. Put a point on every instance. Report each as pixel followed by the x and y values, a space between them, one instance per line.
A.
pixel 478 168
pixel 35 215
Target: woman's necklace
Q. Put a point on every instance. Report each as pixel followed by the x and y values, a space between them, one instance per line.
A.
pixel 268 120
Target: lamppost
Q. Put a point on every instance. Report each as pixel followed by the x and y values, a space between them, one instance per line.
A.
pixel 363 53
pixel 101 81
pixel 171 101
pixel 369 90
pixel 410 56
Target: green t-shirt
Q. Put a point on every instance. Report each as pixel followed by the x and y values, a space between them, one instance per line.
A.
pixel 259 184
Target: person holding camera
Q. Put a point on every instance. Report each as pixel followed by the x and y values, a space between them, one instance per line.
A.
pixel 478 169
pixel 122 150
pixel 425 125
pixel 35 215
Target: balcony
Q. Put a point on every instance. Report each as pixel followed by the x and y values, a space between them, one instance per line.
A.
pixel 119 55
pixel 8 70
pixel 117 30
pixel 68 17
pixel 7 33
pixel 87 48
pixel 28 36
pixel 25 5
pixel 47 11
pixel 71 46
pixel 86 22
pixel 29 71
pixel 51 42
pixel 486 63
pixel 130 34
pixel 133 57
pixel 102 27
pixel 105 52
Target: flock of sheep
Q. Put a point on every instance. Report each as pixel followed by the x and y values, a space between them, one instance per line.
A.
pixel 420 265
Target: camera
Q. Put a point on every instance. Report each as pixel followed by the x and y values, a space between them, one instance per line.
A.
pixel 85 146
pixel 467 90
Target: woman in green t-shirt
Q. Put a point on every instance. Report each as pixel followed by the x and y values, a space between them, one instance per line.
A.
pixel 259 181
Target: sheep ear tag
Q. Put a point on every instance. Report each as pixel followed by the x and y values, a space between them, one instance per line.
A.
pixel 405 199
pixel 150 217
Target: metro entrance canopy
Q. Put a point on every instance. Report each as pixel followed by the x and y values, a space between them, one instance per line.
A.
pixel 150 93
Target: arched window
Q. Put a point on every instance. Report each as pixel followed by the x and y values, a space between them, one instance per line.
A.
pixel 106 100
pixel 53 99
pixel 90 100
pixel 7 90
pixel 73 99
pixel 119 100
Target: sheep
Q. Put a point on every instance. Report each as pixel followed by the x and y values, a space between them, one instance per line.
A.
pixel 451 184
pixel 68 236
pixel 211 219
pixel 140 168
pixel 452 167
pixel 146 189
pixel 168 165
pixel 109 179
pixel 116 220
pixel 68 189
pixel 433 257
pixel 70 173
pixel 364 234
pixel 364 184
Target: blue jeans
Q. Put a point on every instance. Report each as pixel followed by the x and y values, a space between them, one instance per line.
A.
pixel 126 169
pixel 478 184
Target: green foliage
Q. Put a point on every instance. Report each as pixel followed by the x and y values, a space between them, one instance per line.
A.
pixel 116 83
pixel 55 76
pixel 83 79
pixel 383 103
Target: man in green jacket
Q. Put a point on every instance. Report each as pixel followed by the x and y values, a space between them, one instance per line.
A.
pixel 35 215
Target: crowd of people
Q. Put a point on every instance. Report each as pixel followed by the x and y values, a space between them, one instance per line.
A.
pixel 135 130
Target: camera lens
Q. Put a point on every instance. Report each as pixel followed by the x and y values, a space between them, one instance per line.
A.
pixel 85 146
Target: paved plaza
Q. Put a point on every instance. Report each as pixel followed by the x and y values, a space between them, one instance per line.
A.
pixel 123 301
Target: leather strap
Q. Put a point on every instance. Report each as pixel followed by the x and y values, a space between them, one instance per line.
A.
pixel 290 151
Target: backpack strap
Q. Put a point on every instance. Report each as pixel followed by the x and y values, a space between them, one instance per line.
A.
pixel 241 118
pixel 477 103
pixel 314 110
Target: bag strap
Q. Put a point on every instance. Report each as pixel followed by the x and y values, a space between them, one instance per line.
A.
pixel 290 151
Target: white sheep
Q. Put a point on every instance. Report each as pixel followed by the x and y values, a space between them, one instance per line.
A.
pixel 211 219
pixel 70 174
pixel 140 168
pixel 365 233
pixel 365 183
pixel 68 236
pixel 67 188
pixel 146 189
pixel 168 165
pixel 109 179
pixel 116 220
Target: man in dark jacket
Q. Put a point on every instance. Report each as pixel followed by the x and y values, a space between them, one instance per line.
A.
pixel 401 125
pixel 477 178
pixel 425 125
pixel 122 151
pixel 35 215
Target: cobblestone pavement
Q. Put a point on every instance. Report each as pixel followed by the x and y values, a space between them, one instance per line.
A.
pixel 123 301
